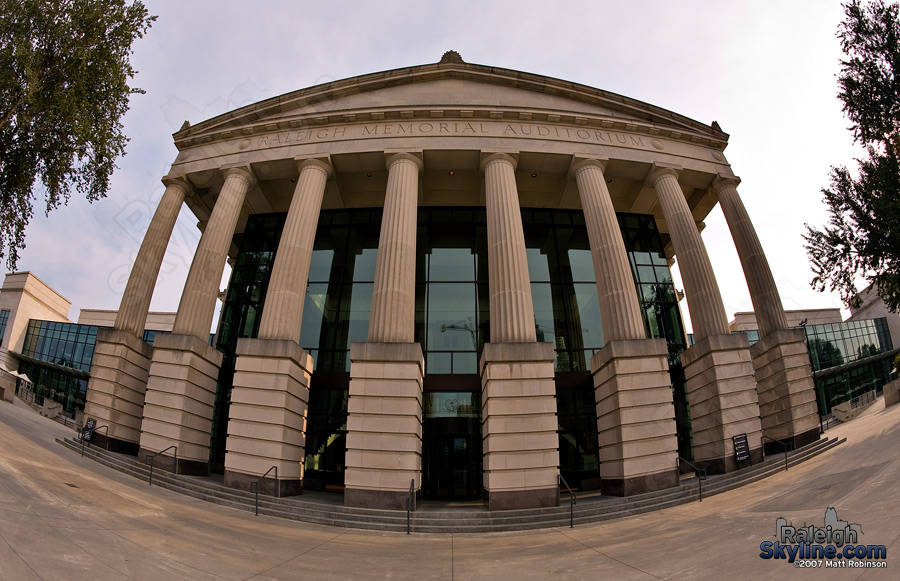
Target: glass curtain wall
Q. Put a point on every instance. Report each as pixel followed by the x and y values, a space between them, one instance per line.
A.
pixel 452 327
pixel 335 314
pixel 662 318
pixel 567 314
pixel 240 315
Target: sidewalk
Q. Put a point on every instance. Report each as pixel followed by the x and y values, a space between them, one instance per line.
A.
pixel 69 518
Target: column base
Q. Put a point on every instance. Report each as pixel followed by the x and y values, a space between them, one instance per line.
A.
pixel 723 401
pixel 267 416
pixel 116 390
pixel 115 444
pixel 635 417
pixel 519 499
pixel 787 391
pixel 269 486
pixel 178 406
pixel 519 425
pixel 384 425
pixel 167 462
pixel 383 499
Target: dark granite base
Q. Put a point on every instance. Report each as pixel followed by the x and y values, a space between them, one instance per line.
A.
pixel 268 485
pixel 794 442
pixel 384 499
pixel 115 444
pixel 729 464
pixel 167 462
pixel 640 484
pixel 511 500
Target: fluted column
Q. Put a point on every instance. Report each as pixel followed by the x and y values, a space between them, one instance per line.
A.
pixel 619 307
pixel 181 389
pixel 512 312
pixel 635 415
pixel 718 370
pixel 384 422
pixel 700 286
pixel 119 374
pixel 132 315
pixel 394 293
pixel 760 282
pixel 518 402
pixel 784 383
pixel 198 301
pixel 270 390
pixel 283 307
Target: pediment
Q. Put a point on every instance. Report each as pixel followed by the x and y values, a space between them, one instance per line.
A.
pixel 449 90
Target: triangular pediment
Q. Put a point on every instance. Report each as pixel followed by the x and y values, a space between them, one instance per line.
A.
pixel 451 90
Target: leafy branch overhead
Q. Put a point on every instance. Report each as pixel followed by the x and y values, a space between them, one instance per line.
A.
pixel 64 87
pixel 862 237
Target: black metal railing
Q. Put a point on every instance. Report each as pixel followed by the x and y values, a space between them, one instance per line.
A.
pixel 95 429
pixel 783 445
pixel 573 498
pixel 701 474
pixel 150 458
pixel 410 500
pixel 254 487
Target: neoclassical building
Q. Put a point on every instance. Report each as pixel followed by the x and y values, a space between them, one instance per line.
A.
pixel 451 279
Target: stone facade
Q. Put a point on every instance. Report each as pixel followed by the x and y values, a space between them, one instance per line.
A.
pixel 451 134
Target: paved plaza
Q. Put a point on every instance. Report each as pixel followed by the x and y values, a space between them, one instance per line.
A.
pixel 70 518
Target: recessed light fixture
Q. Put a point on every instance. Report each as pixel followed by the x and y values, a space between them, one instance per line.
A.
pixel 534 175
pixel 609 180
pixel 369 174
pixel 451 172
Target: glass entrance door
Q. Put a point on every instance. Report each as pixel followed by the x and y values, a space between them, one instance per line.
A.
pixel 451 472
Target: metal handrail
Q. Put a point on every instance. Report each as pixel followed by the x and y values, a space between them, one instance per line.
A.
pixel 409 502
pixel 783 445
pixel 701 475
pixel 254 486
pixel 150 457
pixel 573 498
pixel 95 429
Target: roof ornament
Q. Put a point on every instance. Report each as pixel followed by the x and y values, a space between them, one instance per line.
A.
pixel 451 56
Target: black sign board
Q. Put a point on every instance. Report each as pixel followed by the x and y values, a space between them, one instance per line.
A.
pixel 741 448
pixel 88 431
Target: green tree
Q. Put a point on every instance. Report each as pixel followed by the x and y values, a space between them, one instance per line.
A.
pixel 862 238
pixel 64 74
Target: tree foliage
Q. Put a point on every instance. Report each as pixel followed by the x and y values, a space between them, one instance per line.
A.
pixel 862 238
pixel 64 87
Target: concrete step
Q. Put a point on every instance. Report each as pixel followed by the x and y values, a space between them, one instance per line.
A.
pixel 322 508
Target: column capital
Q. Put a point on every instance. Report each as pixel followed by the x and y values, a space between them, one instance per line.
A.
pixel 721 181
pixel 179 180
pixel 393 156
pixel 660 170
pixel 323 163
pixel 509 156
pixel 242 170
pixel 581 162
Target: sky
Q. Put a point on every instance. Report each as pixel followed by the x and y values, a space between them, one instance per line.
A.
pixel 765 71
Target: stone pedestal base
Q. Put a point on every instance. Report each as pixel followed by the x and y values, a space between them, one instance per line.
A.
pixel 892 393
pixel 723 401
pixel 787 392
pixel 115 393
pixel 635 417
pixel 178 406
pixel 384 424
pixel 267 417
pixel 519 425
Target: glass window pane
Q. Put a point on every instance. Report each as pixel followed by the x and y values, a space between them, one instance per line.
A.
pixel 582 264
pixel 437 362
pixel 446 264
pixel 451 317
pixel 589 315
